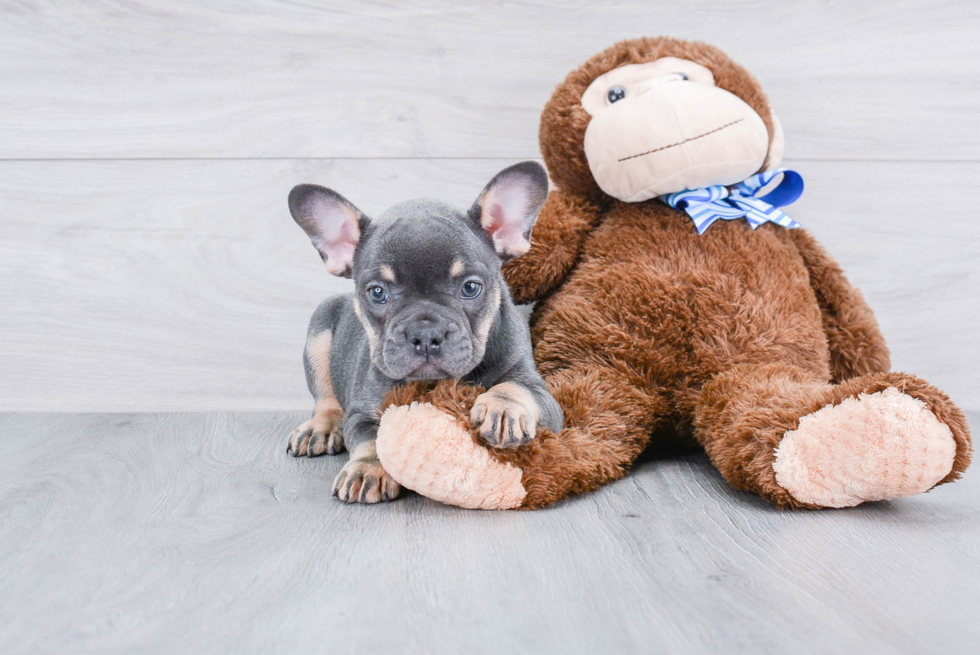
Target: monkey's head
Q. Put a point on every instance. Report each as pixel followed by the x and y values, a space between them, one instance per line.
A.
pixel 653 116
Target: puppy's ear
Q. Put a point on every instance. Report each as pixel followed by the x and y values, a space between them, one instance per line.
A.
pixel 509 205
pixel 332 223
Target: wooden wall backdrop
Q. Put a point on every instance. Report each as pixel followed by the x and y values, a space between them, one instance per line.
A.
pixel 147 260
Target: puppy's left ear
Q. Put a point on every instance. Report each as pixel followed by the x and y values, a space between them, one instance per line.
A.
pixel 508 207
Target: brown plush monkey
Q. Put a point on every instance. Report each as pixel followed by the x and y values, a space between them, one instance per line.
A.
pixel 750 341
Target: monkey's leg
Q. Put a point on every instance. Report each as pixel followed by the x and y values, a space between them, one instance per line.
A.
pixel 798 441
pixel 429 445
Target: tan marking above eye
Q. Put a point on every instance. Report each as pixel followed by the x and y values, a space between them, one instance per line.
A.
pixel 457 269
pixel 387 274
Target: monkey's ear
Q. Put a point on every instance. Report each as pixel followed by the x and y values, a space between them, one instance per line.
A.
pixel 776 146
pixel 509 205
pixel 332 223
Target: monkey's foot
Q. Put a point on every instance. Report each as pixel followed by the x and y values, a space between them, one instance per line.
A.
pixel 430 452
pixel 871 447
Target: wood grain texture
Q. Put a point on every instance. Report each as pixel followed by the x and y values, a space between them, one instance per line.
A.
pixel 185 285
pixel 164 533
pixel 851 80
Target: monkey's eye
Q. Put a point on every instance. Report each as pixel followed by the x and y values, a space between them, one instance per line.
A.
pixel 615 94
pixel 471 289
pixel 377 294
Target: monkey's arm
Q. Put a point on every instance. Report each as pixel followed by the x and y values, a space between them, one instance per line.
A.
pixel 557 239
pixel 857 346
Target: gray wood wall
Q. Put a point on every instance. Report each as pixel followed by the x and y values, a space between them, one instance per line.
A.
pixel 147 260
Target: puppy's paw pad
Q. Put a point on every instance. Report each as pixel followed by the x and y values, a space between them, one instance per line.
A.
pixel 318 436
pixel 365 481
pixel 505 416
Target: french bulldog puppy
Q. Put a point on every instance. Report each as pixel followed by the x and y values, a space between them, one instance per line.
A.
pixel 429 302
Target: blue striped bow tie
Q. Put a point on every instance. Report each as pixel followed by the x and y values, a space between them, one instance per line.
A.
pixel 707 205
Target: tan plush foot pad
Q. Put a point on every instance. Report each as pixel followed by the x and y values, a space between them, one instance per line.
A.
pixel 873 447
pixel 428 451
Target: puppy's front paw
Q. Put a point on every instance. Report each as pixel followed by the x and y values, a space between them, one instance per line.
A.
pixel 364 480
pixel 321 434
pixel 506 416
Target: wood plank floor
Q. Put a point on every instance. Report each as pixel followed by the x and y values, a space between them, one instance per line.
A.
pixel 166 533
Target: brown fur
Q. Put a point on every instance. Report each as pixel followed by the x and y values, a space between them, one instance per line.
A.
pixel 856 344
pixel 556 466
pixel 645 327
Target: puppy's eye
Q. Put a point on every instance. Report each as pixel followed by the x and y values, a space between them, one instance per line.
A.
pixel 615 94
pixel 471 289
pixel 377 294
pixel 682 76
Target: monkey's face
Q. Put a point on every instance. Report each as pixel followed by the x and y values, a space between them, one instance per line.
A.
pixel 663 126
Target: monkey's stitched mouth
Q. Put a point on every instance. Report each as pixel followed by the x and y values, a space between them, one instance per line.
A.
pixel 680 143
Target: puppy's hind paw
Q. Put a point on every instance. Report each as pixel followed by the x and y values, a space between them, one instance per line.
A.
pixel 318 436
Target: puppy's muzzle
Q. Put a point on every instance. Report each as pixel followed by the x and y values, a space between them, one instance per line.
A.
pixel 427 344
pixel 426 337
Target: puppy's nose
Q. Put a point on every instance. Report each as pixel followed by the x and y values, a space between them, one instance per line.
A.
pixel 426 338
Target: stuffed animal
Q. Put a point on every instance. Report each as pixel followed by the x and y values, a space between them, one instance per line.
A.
pixel 675 300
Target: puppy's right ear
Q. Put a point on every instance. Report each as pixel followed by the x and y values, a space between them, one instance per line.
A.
pixel 332 223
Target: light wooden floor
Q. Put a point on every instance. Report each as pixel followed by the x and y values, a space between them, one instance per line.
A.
pixel 173 533
pixel 148 264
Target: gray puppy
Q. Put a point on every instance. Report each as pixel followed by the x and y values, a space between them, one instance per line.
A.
pixel 429 302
